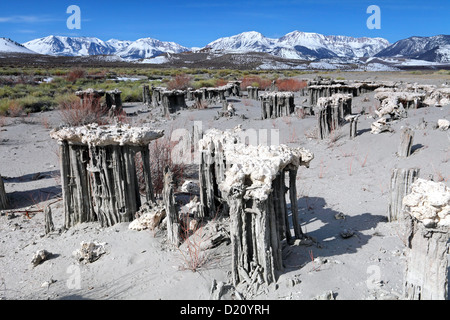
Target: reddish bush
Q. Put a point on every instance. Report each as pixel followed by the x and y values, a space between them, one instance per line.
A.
pixel 180 82
pixel 255 81
pixel 221 82
pixel 290 85
pixel 161 156
pixel 74 113
pixel 75 74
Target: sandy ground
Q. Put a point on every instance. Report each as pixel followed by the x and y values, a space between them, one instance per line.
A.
pixel 346 188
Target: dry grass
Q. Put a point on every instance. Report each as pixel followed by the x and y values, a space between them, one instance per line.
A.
pixel 161 156
pixel 74 113
pixel 15 109
pixel 193 255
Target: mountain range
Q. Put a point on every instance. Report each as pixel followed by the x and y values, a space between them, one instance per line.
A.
pixel 294 45
pixel 301 45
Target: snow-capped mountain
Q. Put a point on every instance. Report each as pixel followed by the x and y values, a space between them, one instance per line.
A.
pixel 8 45
pixel 148 48
pixel 89 46
pixel 245 42
pixel 70 46
pixel 119 45
pixel 301 45
pixel 294 45
pixel 436 48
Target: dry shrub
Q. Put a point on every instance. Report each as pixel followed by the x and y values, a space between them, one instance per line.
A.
pixel 255 81
pixel 75 74
pixel 161 157
pixel 200 104
pixel 74 113
pixel 300 113
pixel 15 109
pixel 247 102
pixel 180 82
pixel 292 85
pixel 221 82
pixel 194 257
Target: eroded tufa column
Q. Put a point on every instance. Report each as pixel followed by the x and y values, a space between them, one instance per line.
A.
pixel 99 172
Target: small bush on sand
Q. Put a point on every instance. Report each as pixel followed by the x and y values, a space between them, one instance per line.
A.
pixel 161 157
pixel 180 82
pixel 74 113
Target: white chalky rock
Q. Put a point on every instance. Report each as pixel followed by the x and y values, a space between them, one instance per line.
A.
pixel 443 124
pixel 95 135
pixel 149 218
pixel 90 251
pixel 429 202
pixel 438 97
pixel 190 187
pixel 380 126
pixel 39 257
pixel 193 206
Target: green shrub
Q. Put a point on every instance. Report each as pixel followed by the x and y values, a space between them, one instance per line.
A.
pixel 131 94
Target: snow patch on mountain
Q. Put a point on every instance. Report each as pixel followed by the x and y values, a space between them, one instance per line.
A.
pixel 300 45
pixel 69 46
pixel 8 45
pixel 148 48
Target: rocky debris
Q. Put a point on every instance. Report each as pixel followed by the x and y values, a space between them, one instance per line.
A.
pixel 231 110
pixel 190 187
pixel 345 234
pixel 149 217
pixel 39 257
pixel 395 103
pixel 193 207
pixel 89 252
pixel 438 97
pixel 214 234
pixel 381 125
pixel 329 295
pixel 292 282
pixel 443 124
pixel 224 291
pixel 48 283
pixel 429 202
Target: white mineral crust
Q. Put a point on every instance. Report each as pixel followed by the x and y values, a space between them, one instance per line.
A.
pixel 429 202
pixel 95 135
pixel 256 164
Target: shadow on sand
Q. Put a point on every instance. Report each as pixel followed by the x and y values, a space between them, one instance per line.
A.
pixel 326 227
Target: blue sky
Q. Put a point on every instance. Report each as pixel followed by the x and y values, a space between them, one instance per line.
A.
pixel 198 22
